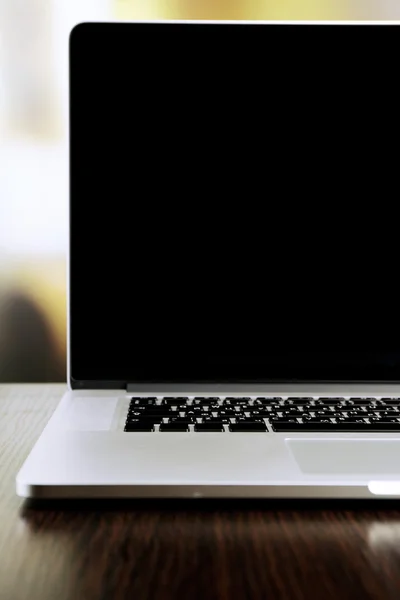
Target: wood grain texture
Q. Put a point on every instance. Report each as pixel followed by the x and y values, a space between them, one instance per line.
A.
pixel 164 550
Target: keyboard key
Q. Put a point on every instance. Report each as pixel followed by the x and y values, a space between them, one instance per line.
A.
pixel 362 401
pixel 252 419
pixel 267 401
pixel 143 401
pixel 160 413
pixel 292 413
pixel 227 413
pixel 262 414
pixel 204 401
pixel 329 401
pixel 182 420
pixel 250 426
pixel 195 411
pixel 387 415
pixel 155 409
pixel 297 400
pixel 391 401
pixel 155 419
pixel 241 401
pixel 283 420
pixel 372 415
pixel 139 426
pixel 173 427
pixel 384 420
pixel 309 419
pixel 203 415
pixel 211 427
pixel 349 420
pixel 174 401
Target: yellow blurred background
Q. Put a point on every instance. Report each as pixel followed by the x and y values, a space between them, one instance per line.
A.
pixel 34 151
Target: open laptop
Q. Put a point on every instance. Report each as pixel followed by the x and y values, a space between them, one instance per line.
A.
pixel 233 306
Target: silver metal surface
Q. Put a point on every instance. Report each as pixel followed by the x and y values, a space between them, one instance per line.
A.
pixel 82 453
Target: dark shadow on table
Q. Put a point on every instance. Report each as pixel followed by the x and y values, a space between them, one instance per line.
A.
pixel 30 506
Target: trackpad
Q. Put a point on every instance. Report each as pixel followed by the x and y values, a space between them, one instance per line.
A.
pixel 346 457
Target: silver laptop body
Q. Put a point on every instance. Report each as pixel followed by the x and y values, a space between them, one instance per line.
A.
pixel 270 413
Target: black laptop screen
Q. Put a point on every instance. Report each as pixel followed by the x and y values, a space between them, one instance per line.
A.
pixel 234 194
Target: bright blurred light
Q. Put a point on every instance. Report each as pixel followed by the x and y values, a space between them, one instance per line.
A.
pixel 34 192
pixel 34 178
pixel 258 9
pixel 33 151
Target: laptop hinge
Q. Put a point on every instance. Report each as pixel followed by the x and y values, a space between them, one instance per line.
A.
pixel 250 389
pixel 178 388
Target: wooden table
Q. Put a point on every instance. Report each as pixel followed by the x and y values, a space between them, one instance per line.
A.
pixel 177 550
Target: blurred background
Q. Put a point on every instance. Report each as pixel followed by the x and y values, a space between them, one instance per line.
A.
pixel 34 151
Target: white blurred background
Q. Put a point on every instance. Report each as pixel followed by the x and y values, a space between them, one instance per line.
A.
pixel 34 182
pixel 34 150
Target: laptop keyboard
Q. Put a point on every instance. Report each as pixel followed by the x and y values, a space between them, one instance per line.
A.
pixel 262 414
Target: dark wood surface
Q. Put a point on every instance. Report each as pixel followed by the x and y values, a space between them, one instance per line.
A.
pixel 178 550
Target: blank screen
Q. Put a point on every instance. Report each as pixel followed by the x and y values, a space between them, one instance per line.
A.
pixel 233 202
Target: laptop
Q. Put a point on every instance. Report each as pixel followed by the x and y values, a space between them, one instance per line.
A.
pixel 233 323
